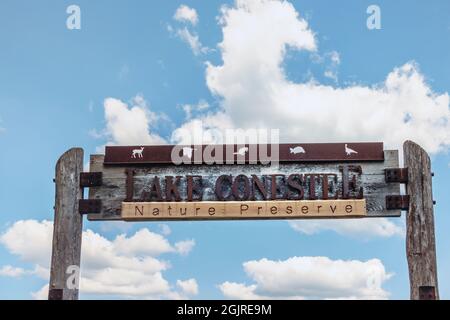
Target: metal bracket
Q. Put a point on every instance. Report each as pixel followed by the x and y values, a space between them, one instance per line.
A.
pixel 86 206
pixel 397 202
pixel 91 179
pixel 396 175
pixel 427 293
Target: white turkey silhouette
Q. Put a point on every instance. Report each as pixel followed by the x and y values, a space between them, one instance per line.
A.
pixel 349 151
pixel 297 150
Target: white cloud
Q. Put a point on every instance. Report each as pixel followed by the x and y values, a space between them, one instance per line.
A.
pixel 256 36
pixel 41 294
pixel 310 278
pixel 126 267
pixel 30 240
pixel 165 229
pixel 142 242
pixel 331 75
pixel 184 247
pixel 335 57
pixel 190 109
pixel 13 272
pixel 361 228
pixel 189 15
pixel 130 125
pixel 207 128
pixel 192 39
pixel 189 287
pixel 186 14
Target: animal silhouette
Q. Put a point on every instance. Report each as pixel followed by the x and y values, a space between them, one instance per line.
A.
pixel 349 151
pixel 297 150
pixel 242 151
pixel 138 153
pixel 187 152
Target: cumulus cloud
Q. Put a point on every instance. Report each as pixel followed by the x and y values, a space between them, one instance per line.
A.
pixel 186 14
pixel 192 39
pixel 207 128
pixel 128 125
pixel 189 287
pixel 165 229
pixel 30 240
pixel 41 294
pixel 361 228
pixel 184 247
pixel 190 109
pixel 256 37
pixel 126 266
pixel 10 271
pixel 310 278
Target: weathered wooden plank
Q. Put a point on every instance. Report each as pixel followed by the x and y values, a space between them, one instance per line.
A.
pixel 235 210
pixel 420 238
pixel 67 227
pixel 113 191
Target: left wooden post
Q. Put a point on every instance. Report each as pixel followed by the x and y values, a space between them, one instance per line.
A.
pixel 67 227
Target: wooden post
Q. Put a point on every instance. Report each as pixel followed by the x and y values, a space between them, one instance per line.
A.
pixel 67 228
pixel 420 240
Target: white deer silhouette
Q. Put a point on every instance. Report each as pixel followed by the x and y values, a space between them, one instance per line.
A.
pixel 138 153
pixel 349 151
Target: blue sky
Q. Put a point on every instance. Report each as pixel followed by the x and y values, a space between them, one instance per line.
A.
pixel 54 82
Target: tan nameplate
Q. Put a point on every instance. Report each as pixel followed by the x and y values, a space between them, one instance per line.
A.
pixel 230 210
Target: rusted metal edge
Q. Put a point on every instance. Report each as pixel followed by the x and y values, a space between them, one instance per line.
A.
pixel 397 202
pixel 399 175
pixel 246 153
pixel 89 206
pixel 91 179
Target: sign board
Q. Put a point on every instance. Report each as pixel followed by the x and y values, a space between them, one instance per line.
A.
pixel 221 210
pixel 333 180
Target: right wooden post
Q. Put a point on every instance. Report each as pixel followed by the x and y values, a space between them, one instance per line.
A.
pixel 420 237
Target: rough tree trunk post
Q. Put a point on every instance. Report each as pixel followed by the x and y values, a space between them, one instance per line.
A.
pixel 420 241
pixel 67 227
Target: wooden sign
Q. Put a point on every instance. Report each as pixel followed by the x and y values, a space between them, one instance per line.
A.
pixel 221 210
pixel 140 179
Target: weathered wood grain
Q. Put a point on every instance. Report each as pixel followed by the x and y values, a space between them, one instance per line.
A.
pixel 420 238
pixel 235 210
pixel 68 224
pixel 113 191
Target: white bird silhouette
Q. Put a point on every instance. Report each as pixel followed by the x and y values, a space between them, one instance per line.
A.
pixel 242 151
pixel 297 150
pixel 187 152
pixel 349 151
